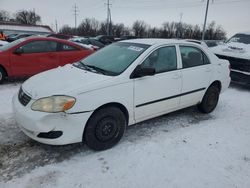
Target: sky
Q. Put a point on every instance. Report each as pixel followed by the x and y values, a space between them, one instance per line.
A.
pixel 232 15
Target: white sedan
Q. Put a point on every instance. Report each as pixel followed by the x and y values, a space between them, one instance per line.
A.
pixel 94 100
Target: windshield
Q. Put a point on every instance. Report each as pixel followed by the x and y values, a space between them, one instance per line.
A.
pixel 242 38
pixel 114 59
pixel 11 44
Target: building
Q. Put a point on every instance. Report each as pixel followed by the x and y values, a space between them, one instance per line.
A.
pixel 11 27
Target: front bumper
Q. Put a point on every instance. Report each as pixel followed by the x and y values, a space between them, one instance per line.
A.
pixel 32 123
pixel 240 76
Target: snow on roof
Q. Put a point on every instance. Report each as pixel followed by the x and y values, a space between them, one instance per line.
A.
pixel 23 28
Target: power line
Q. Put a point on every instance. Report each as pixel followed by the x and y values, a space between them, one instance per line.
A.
pixel 172 4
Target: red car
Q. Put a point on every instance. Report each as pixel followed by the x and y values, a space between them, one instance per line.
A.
pixel 28 56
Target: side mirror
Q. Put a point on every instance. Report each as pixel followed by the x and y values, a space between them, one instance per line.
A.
pixel 18 51
pixel 142 71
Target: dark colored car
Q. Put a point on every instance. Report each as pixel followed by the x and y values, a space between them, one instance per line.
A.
pixel 127 37
pixel 237 51
pixel 28 56
pixel 14 37
pixel 89 41
pixel 106 40
pixel 60 36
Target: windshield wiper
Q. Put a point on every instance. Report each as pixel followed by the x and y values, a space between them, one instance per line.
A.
pixel 99 70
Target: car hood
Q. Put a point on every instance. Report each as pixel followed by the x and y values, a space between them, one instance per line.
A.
pixel 233 49
pixel 61 81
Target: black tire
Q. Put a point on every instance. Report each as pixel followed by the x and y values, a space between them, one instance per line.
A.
pixel 2 75
pixel 210 99
pixel 105 128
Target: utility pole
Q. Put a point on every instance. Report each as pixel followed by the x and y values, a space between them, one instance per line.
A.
pixel 205 22
pixel 108 17
pixel 75 12
pixel 56 26
pixel 181 14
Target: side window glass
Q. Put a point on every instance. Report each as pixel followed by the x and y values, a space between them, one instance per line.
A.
pixel 66 47
pixel 163 59
pixel 39 47
pixel 192 57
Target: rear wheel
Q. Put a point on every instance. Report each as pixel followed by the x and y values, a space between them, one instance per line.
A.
pixel 105 128
pixel 2 75
pixel 210 99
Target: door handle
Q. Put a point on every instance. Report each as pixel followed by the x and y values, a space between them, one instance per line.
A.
pixel 176 76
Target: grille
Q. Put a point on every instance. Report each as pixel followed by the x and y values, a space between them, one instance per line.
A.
pixel 237 63
pixel 24 99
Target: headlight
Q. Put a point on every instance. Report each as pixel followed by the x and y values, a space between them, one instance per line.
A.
pixel 53 104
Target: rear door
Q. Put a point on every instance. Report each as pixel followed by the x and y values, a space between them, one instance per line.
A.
pixel 36 56
pixel 196 72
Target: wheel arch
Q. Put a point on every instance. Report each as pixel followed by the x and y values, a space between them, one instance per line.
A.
pixel 111 104
pixel 4 69
pixel 216 83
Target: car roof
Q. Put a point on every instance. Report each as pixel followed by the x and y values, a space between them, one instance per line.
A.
pixel 157 41
pixel 244 33
pixel 53 39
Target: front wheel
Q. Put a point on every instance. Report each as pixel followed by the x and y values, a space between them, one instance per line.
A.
pixel 210 99
pixel 105 128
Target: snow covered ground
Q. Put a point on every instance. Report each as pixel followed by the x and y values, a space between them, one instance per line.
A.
pixel 180 150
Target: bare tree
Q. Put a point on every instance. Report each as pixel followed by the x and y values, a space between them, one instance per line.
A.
pixel 67 30
pixel 140 28
pixel 92 27
pixel 27 17
pixel 4 15
pixel 89 27
pixel 118 29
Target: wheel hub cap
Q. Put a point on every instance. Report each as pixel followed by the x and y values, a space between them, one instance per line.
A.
pixel 106 129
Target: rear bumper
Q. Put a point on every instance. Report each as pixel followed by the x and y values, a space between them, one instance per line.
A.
pixel 240 76
pixel 33 123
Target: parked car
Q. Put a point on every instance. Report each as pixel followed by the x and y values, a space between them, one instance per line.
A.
pixel 88 41
pixel 127 37
pixel 3 43
pixel 12 35
pixel 237 51
pixel 29 56
pixel 18 36
pixel 95 99
pixel 104 39
pixel 197 42
pixel 60 36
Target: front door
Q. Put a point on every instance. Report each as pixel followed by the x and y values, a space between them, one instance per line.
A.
pixel 34 57
pixel 158 94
